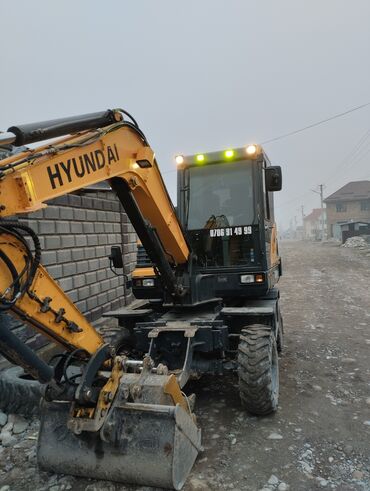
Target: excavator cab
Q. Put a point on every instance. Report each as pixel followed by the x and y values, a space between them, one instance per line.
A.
pixel 226 209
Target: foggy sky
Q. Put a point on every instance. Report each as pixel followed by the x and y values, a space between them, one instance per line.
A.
pixel 202 75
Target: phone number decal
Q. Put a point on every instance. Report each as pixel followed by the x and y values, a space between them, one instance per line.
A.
pixel 230 231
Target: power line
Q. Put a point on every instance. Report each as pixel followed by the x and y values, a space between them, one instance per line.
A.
pixel 291 133
pixel 300 130
pixel 350 156
pixel 347 164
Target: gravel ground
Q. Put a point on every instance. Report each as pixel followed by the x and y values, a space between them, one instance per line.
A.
pixel 320 436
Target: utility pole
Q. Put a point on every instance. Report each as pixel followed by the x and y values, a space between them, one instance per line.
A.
pixel 321 193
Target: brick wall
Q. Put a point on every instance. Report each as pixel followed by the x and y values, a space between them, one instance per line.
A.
pixel 76 234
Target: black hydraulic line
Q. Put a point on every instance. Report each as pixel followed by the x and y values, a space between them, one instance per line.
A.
pixel 20 354
pixel 34 132
pixel 11 227
pixel 4 304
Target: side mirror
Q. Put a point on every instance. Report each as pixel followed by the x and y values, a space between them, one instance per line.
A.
pixel 273 178
pixel 116 257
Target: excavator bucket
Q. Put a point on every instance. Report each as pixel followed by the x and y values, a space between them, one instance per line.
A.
pixel 147 443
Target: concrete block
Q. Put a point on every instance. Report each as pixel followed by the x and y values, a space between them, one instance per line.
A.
pixel 81 240
pixel 107 205
pixel 87 202
pixel 94 314
pixel 48 257
pixel 111 295
pixel 91 215
pixel 66 284
pixel 100 227
pixel 55 271
pixel 90 277
pixel 68 241
pixel 95 289
pixel 94 264
pixel 93 240
pixel 69 269
pixel 81 305
pixel 60 201
pixel 52 212
pixel 82 267
pixel 117 303
pixel 64 256
pixel 63 227
pixel 102 216
pixel 79 281
pixel 105 285
pixel 101 275
pixel 53 242
pixel 83 292
pixel 74 200
pixel 103 263
pixel 79 214
pixel 97 204
pixel 73 295
pixel 37 214
pixel 88 227
pixel 33 224
pixel 76 228
pixel 46 227
pixel 66 213
pixel 102 298
pixel 103 239
pixel 90 252
pixel 92 302
pixel 101 251
pixel 78 254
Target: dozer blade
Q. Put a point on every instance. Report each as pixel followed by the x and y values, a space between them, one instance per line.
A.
pixel 139 443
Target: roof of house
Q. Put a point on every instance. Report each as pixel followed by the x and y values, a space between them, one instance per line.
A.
pixel 314 215
pixel 354 190
pixel 352 223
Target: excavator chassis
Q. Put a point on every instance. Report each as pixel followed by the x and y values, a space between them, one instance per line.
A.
pixel 152 442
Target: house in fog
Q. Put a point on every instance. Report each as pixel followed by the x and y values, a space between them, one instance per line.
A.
pixel 314 223
pixel 351 203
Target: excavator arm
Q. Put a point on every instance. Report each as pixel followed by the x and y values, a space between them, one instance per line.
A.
pixel 118 153
pixel 103 147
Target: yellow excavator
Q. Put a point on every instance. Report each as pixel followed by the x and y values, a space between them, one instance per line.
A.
pixel 207 277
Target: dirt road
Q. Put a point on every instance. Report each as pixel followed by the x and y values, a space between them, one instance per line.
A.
pixel 320 436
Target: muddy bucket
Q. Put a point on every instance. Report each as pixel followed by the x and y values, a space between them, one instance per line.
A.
pixel 146 444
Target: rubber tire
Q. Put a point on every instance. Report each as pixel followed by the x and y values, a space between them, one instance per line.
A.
pixel 118 337
pixel 280 335
pixel 19 394
pixel 258 370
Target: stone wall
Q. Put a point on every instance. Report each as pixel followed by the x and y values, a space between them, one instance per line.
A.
pixel 76 232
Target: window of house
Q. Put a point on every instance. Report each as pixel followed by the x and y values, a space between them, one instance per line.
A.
pixel 365 205
pixel 341 207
